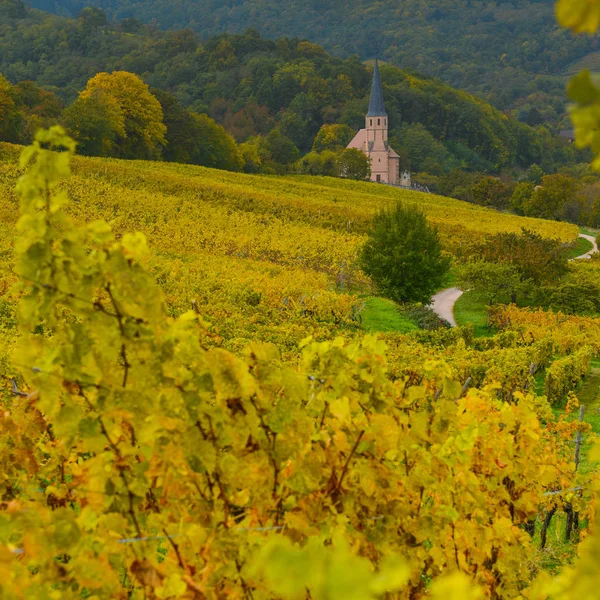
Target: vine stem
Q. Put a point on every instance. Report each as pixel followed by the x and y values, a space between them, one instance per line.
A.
pixel 345 469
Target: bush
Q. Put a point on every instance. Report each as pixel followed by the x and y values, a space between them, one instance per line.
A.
pixel 403 255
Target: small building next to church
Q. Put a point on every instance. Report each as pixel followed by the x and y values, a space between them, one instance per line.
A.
pixel 373 140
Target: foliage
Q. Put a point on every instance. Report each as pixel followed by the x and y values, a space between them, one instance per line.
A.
pixel 151 464
pixel 493 280
pixel 512 54
pixel 353 164
pixel 550 199
pixel 520 196
pixel 403 255
pixel 491 191
pixel 136 115
pixel 536 259
pixel 252 86
pixel 564 374
pixel 333 137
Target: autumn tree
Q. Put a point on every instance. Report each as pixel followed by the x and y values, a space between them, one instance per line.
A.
pixel 333 137
pixel 135 114
pixel 353 164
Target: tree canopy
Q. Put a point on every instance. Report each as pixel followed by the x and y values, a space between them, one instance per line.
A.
pixel 403 255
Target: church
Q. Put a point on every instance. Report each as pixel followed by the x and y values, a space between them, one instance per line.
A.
pixel 373 140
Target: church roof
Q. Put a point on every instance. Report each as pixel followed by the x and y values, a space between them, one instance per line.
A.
pixel 376 105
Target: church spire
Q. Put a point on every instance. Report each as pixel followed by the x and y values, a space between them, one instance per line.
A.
pixel 376 105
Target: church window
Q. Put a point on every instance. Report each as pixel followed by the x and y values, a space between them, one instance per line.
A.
pixel 378 121
pixel 378 178
pixel 371 122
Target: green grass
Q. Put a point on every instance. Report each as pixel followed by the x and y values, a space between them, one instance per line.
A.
pixel 588 231
pixel 383 315
pixel 581 247
pixel 449 280
pixel 472 308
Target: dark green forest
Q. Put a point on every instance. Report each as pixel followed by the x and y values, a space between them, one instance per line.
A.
pixel 511 53
pixel 286 89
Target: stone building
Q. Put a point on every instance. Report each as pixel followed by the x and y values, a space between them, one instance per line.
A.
pixel 373 140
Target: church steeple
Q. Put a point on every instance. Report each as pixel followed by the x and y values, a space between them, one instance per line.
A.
pixel 376 105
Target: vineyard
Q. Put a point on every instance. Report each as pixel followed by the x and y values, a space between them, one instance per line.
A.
pixel 192 409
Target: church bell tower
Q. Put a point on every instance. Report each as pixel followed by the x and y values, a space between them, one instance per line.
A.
pixel 376 121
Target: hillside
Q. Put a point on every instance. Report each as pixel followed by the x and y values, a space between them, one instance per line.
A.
pixel 144 387
pixel 242 244
pixel 511 53
pixel 253 85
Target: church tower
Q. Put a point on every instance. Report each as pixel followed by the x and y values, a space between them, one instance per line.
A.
pixel 373 139
pixel 376 119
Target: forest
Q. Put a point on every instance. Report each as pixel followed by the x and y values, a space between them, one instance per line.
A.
pixel 287 89
pixel 511 53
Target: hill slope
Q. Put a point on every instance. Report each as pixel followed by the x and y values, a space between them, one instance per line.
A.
pixel 252 85
pixel 262 255
pixel 504 51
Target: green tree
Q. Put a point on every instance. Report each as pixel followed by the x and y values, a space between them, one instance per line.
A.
pixel 536 259
pixel 491 280
pixel 534 174
pixel 521 195
pixel 403 255
pixel 550 200
pixel 315 163
pixel 183 132
pixel 10 118
pixel 491 191
pixel 214 147
pixel 281 148
pixel 353 164
pixel 97 125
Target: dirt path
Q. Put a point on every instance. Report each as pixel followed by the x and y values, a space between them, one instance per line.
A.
pixel 443 302
pixel 592 239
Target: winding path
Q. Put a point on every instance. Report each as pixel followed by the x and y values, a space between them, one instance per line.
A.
pixel 443 302
pixel 592 240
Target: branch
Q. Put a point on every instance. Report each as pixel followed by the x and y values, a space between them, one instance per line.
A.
pixel 345 469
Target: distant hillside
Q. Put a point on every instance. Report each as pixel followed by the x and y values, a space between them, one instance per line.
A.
pixel 253 85
pixel 506 52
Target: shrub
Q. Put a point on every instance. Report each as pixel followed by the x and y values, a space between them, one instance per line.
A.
pixel 403 255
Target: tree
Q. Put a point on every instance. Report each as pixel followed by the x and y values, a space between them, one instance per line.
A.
pixel 353 164
pixel 491 191
pixel 403 255
pixel 534 174
pixel 183 132
pixel 214 147
pixel 536 259
pixel 139 116
pixel 521 195
pixel 281 149
pixel 315 163
pixel 333 137
pixel 10 118
pixel 491 280
pixel 97 124
pixel 551 199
